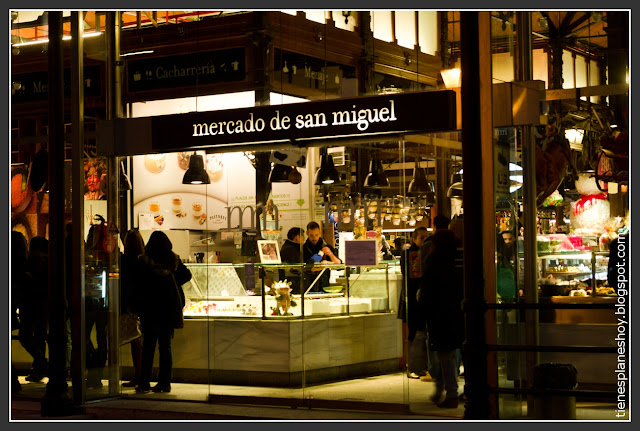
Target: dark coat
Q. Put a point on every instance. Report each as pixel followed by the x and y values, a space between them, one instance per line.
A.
pixel 34 298
pixel 290 252
pixel 161 295
pixel 441 299
pixel 130 268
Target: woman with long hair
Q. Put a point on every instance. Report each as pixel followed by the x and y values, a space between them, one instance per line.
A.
pixel 163 275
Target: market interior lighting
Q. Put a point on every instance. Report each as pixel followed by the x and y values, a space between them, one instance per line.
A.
pixel 137 53
pixel 327 173
pixel 419 183
pixel 67 37
pixel 451 78
pixel 574 136
pixel 376 178
pixel 196 174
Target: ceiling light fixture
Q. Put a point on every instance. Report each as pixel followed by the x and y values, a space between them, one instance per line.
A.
pixel 327 173
pixel 196 174
pixel 419 184
pixel 376 178
pixel 67 37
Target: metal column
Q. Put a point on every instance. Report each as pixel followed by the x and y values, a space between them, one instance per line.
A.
pixel 524 73
pixel 76 302
pixel 56 401
pixel 474 87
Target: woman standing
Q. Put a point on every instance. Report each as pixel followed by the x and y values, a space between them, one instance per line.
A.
pixel 162 276
pixel 133 249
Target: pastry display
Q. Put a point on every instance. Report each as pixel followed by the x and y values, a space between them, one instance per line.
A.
pixel 154 163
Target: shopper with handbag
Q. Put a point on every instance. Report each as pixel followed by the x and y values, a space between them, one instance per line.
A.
pixel 162 275
pixel 133 249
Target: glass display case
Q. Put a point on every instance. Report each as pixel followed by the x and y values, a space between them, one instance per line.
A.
pixel 277 291
pixel 573 273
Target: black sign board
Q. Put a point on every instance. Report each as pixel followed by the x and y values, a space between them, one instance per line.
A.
pixel 33 87
pixel 186 70
pixel 430 111
pixel 310 72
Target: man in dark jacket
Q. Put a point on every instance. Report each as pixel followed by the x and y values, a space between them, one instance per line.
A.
pixel 316 250
pixel 291 252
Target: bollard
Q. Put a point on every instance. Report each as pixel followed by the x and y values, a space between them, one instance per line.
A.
pixel 554 376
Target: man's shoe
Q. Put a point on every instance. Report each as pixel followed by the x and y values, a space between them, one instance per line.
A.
pixel 449 403
pixel 143 388
pixel 413 375
pixel 160 387
pixel 130 384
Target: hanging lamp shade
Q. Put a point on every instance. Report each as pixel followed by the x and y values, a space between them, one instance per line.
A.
pixel 196 174
pixel 419 184
pixel 376 178
pixel 455 190
pixel 327 173
pixel 280 173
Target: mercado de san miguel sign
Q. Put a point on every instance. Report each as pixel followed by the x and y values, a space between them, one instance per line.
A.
pixel 398 113
pixel 296 123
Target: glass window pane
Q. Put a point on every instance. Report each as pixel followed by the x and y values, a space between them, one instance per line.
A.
pixel 428 32
pixel 406 28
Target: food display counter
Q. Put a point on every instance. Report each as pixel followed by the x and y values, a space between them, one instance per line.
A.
pixel 233 334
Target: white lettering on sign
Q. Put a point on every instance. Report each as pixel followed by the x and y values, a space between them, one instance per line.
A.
pixel 361 118
pixel 175 72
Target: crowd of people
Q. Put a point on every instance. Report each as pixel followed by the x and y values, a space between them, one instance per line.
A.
pixel 152 276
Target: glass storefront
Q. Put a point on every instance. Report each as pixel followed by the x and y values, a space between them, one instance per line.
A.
pixel 272 316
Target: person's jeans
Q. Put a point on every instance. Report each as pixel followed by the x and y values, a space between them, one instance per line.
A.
pixel 156 334
pixel 445 372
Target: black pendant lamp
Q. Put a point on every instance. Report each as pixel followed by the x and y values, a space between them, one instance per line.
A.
pixel 376 178
pixel 419 184
pixel 455 189
pixel 327 174
pixel 280 173
pixel 196 174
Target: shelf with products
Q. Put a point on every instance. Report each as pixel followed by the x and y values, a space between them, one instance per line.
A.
pixel 268 291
